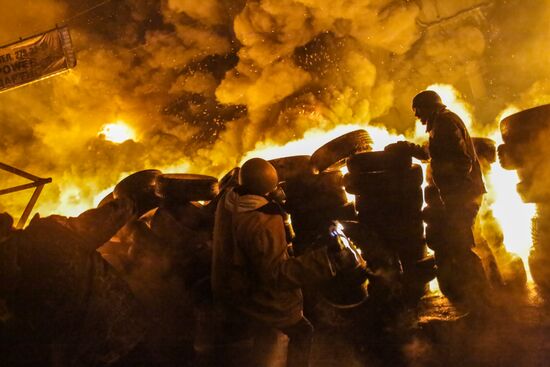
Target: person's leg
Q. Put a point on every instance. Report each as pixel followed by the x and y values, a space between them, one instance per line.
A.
pixel 300 337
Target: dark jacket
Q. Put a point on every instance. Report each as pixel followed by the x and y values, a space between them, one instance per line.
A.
pixel 251 268
pixel 454 163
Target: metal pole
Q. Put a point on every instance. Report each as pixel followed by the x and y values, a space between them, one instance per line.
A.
pixel 29 207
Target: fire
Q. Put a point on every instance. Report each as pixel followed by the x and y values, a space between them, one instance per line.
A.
pixel 117 132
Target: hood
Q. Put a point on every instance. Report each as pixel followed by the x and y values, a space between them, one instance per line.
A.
pixel 243 203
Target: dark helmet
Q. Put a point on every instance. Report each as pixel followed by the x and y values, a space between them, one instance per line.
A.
pixel 427 98
pixel 258 176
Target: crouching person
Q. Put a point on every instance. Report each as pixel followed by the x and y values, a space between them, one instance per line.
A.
pixel 254 278
pixel 55 282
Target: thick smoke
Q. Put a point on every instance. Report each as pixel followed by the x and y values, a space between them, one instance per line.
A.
pixel 204 82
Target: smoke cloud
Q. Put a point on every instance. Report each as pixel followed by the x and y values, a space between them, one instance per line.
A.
pixel 204 82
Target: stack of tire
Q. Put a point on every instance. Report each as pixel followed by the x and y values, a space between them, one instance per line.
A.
pixel 525 150
pixel 388 189
pixel 502 267
pixel 314 189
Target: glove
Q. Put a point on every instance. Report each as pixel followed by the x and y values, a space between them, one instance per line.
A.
pixel 346 259
pixel 408 148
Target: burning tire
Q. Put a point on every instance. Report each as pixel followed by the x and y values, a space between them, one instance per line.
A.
pixel 291 167
pixel 485 149
pixel 379 161
pixel 332 155
pixel 183 187
pixel 523 126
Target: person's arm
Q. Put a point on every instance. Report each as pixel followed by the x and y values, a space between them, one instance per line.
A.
pixel 96 226
pixel 414 150
pixel 451 160
pixel 272 264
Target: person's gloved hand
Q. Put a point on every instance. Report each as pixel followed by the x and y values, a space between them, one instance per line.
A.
pixel 403 147
pixel 407 148
pixel 346 260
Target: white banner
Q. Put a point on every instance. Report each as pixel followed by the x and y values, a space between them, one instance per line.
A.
pixel 36 58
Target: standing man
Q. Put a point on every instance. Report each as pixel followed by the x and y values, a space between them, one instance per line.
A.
pixel 253 276
pixel 456 173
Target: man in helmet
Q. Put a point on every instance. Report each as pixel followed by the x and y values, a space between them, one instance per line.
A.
pixel 253 275
pixel 456 173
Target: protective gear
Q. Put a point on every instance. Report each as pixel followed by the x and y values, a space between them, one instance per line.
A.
pixel 251 268
pixel 426 99
pixel 408 148
pixel 258 176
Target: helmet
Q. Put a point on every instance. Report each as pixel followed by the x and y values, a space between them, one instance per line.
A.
pixel 258 176
pixel 427 98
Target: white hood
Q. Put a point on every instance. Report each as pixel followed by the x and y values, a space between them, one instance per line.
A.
pixel 245 203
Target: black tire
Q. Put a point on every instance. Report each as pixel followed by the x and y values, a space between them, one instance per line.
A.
pixel 432 196
pixel 333 154
pixel 183 187
pixel 140 188
pixel 292 167
pixel 378 161
pixel 395 183
pixel 433 214
pixel 324 190
pixel 400 206
pixel 485 149
pixel 509 156
pixel 525 125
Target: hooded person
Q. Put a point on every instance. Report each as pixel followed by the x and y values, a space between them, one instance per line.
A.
pixel 456 173
pixel 253 276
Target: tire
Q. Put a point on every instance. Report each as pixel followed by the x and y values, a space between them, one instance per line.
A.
pixel 183 187
pixel 395 183
pixel 400 206
pixel 485 149
pixel 523 126
pixel 508 157
pixel 140 187
pixel 432 214
pixel 332 155
pixel 533 191
pixel 291 167
pixel 324 190
pixel 378 161
pixel 432 196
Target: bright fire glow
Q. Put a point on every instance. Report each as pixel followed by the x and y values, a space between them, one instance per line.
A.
pixel 511 212
pixel 451 98
pixel 117 132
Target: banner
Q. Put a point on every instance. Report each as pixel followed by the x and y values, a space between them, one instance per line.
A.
pixel 36 58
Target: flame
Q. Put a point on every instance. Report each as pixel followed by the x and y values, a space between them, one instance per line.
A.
pixel 453 100
pixel 117 132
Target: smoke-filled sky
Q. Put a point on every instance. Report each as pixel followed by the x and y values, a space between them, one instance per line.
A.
pixel 202 82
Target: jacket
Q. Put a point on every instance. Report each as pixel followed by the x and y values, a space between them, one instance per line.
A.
pixel 252 271
pixel 455 167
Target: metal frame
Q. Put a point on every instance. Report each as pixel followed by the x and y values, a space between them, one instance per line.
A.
pixel 38 183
